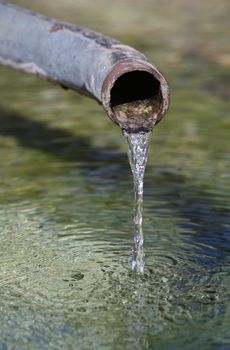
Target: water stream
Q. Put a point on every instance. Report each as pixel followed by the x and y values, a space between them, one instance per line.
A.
pixel 65 195
pixel 138 145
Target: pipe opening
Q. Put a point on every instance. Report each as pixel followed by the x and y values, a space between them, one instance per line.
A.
pixel 136 100
pixel 133 86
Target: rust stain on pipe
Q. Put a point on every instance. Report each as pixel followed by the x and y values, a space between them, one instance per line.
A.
pixel 141 98
pixel 132 91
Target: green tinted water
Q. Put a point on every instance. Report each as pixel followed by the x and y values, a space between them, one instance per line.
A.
pixel 66 195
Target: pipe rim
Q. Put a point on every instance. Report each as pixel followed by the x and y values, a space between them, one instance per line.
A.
pixel 131 66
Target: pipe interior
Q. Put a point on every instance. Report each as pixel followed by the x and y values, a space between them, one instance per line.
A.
pixel 133 86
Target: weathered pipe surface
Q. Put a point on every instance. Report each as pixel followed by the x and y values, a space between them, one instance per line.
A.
pixel 132 91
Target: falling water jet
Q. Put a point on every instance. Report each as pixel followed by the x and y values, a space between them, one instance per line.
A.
pixel 138 145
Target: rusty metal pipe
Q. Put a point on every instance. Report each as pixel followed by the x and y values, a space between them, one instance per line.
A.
pixel 132 91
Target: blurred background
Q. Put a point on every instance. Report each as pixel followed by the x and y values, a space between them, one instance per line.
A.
pixel 66 194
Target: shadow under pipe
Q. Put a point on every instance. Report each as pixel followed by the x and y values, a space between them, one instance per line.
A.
pixel 132 91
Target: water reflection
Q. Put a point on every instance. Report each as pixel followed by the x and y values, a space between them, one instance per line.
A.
pixel 66 199
pixel 55 141
pixel 204 217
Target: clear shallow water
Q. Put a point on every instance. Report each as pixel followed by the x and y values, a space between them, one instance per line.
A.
pixel 66 199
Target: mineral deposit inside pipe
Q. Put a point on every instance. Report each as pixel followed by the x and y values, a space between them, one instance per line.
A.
pixel 136 100
pixel 132 91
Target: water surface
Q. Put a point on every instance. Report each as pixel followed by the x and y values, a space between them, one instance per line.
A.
pixel 66 196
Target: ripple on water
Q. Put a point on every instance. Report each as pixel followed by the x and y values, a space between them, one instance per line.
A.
pixel 73 283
